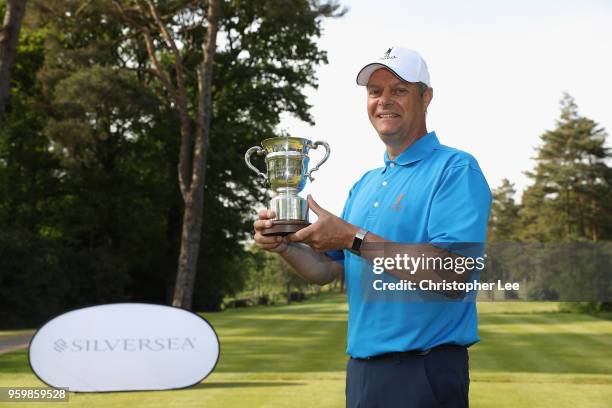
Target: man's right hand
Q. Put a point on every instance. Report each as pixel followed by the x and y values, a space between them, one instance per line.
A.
pixel 270 243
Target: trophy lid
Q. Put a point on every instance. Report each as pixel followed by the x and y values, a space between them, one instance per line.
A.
pixel 287 144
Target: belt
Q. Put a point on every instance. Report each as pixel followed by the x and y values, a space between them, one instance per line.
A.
pixel 396 354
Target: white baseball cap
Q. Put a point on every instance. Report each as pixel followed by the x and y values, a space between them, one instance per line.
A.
pixel 406 64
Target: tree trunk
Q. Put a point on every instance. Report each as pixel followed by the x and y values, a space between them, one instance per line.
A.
pixel 580 214
pixel 193 194
pixel 288 290
pixel 190 249
pixel 594 234
pixel 9 37
pixel 568 227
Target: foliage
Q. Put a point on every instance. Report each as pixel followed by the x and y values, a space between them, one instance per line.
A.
pixel 504 219
pixel 586 307
pixel 269 277
pixel 571 195
pixel 88 156
pixel 568 207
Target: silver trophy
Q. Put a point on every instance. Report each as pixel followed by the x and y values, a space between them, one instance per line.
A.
pixel 287 169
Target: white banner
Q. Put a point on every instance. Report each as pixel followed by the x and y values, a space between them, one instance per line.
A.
pixel 124 347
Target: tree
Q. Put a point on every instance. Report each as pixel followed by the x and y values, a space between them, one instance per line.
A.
pixel 504 221
pixel 571 193
pixel 89 154
pixel 194 143
pixel 85 180
pixel 570 202
pixel 172 32
pixel 269 275
pixel 9 37
pixel 503 233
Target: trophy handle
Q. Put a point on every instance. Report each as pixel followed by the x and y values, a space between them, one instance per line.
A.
pixel 247 158
pixel 327 151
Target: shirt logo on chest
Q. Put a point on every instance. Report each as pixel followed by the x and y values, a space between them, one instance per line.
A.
pixel 398 206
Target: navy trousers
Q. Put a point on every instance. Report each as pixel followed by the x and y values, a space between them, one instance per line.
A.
pixel 437 379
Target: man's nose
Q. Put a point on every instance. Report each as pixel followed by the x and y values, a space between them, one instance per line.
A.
pixel 385 98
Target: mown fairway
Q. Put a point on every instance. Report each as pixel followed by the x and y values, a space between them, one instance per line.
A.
pixel 293 356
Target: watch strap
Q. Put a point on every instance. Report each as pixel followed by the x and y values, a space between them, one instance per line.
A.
pixel 357 241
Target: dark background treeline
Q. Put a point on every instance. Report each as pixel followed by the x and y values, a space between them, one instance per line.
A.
pixel 90 208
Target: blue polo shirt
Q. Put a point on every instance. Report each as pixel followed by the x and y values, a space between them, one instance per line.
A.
pixel 430 193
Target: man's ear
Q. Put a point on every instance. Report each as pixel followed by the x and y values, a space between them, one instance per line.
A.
pixel 427 96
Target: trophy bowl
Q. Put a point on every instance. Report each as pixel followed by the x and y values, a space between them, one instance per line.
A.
pixel 286 174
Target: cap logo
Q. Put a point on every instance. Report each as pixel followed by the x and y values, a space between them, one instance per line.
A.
pixel 388 55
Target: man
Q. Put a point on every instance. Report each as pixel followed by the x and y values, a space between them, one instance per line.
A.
pixel 403 353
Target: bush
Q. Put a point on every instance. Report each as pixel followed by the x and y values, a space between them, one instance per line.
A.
pixel 586 307
pixel 41 277
pixel 296 296
pixel 239 303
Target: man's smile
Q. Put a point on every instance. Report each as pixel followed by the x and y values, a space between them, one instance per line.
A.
pixel 387 115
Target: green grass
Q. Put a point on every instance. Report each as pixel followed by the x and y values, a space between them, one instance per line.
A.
pixel 293 356
pixel 15 332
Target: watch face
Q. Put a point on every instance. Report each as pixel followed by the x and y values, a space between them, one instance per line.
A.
pixel 356 243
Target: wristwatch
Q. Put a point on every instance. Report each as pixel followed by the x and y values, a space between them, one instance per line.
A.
pixel 357 241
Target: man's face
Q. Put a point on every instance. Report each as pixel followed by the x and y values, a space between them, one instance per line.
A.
pixel 395 108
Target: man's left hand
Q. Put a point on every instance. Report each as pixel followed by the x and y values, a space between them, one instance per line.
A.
pixel 328 233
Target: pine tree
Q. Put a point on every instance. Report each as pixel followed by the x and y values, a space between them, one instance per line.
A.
pixel 570 202
pixel 571 194
pixel 504 221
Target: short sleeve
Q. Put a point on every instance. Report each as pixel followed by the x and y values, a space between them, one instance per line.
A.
pixel 460 208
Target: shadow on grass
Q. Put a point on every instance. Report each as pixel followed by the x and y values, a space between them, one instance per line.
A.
pixel 540 318
pixel 245 384
pixel 603 315
pixel 554 352
pixel 15 362
pixel 335 300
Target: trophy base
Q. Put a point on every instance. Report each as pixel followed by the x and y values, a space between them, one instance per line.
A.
pixel 281 228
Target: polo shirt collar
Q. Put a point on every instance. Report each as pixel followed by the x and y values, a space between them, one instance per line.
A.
pixel 416 151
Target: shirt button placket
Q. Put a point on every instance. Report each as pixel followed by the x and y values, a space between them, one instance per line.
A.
pixel 381 194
